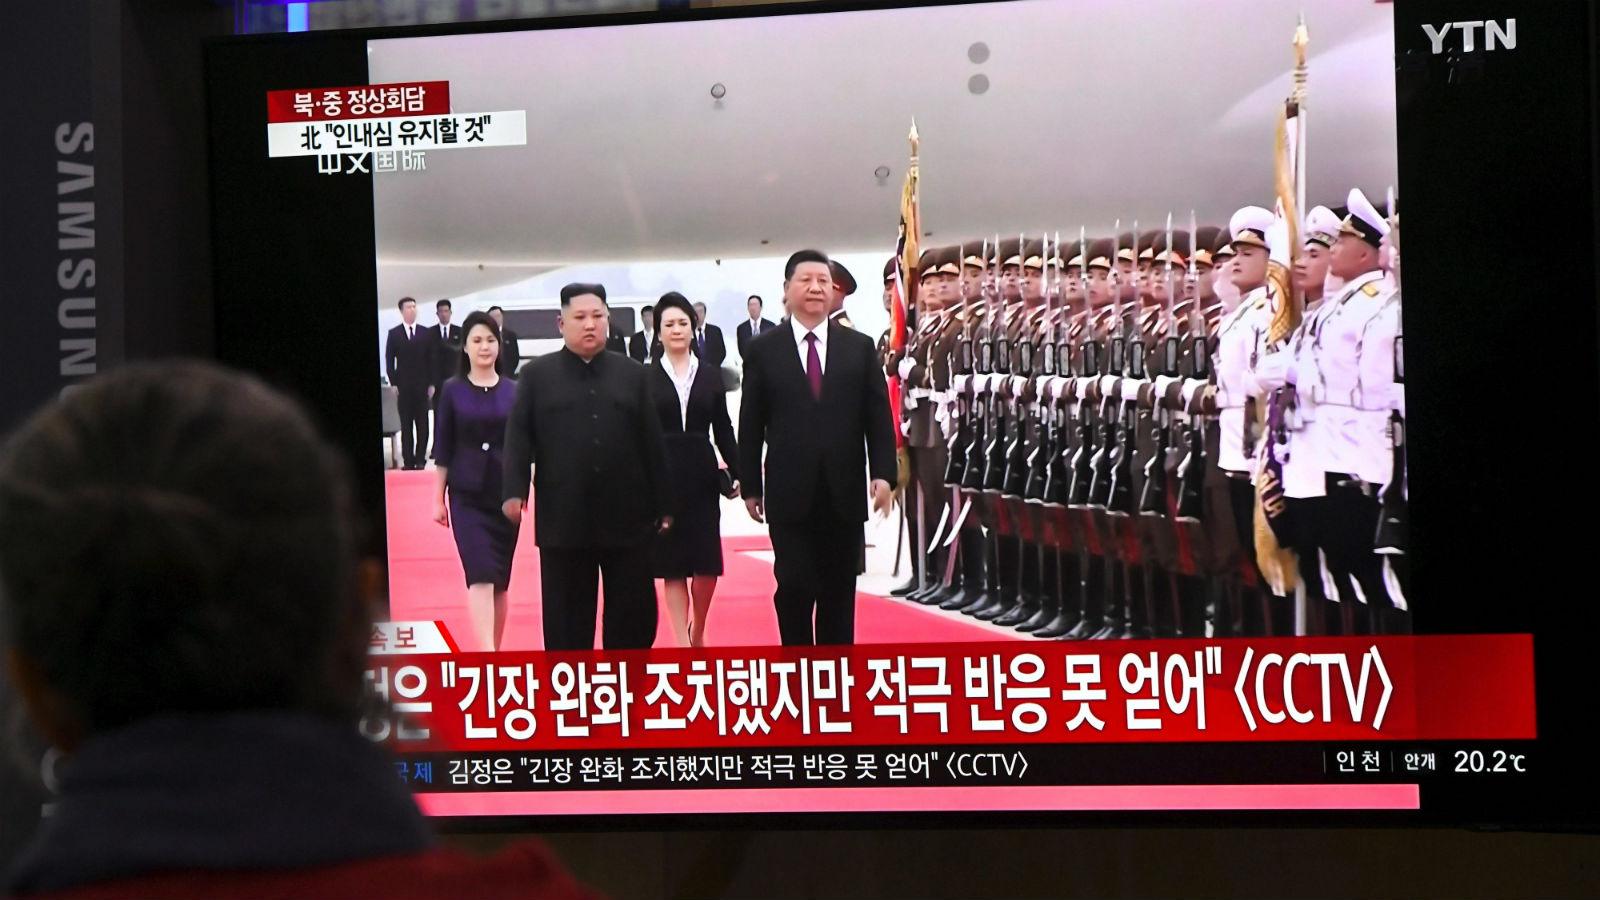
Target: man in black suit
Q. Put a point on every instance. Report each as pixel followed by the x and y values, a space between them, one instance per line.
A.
pixel 446 349
pixel 510 351
pixel 708 343
pixel 408 357
pixel 616 340
pixel 584 421
pixel 815 396
pixel 753 327
pixel 641 345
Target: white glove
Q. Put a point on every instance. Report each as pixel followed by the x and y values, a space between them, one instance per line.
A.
pixel 1162 383
pixel 1271 371
pixel 906 365
pixel 1108 384
pixel 1017 384
pixel 1189 388
pixel 1130 388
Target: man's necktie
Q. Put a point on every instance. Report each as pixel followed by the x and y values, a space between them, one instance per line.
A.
pixel 813 366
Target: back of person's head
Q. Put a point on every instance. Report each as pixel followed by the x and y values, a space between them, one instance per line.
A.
pixel 176 538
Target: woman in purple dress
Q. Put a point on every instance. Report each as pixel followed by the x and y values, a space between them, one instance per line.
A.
pixel 469 435
pixel 690 399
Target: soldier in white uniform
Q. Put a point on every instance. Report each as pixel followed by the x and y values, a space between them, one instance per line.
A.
pixel 1349 427
pixel 1235 397
pixel 1383 398
pixel 1304 487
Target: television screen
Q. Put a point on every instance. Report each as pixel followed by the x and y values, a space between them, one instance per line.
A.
pixel 991 409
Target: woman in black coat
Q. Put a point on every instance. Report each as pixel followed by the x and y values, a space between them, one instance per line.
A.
pixel 692 402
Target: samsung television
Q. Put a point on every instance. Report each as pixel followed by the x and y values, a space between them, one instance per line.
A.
pixel 1099 248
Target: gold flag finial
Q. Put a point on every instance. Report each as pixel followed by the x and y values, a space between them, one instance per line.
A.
pixel 914 137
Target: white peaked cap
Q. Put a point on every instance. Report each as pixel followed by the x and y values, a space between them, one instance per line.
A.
pixel 1364 221
pixel 1322 226
pixel 1249 226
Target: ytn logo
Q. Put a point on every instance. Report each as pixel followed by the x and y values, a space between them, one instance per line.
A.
pixel 1494 34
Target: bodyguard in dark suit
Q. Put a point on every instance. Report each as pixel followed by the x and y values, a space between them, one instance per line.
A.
pixel 408 357
pixel 510 351
pixel 641 347
pixel 708 343
pixel 814 395
pixel 584 422
pixel 446 349
pixel 753 327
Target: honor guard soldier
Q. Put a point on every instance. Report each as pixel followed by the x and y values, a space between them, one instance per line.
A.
pixel 1092 450
pixel 925 440
pixel 1021 391
pixel 888 298
pixel 1352 416
pixel 964 534
pixel 1391 541
pixel 1302 476
pixel 844 284
pixel 1241 343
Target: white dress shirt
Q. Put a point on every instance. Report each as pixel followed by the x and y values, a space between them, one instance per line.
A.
pixel 800 332
pixel 682 384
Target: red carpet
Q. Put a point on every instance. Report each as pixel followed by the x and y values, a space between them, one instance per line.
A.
pixel 425 582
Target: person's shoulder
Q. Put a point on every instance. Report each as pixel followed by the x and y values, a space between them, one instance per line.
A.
pixel 848 335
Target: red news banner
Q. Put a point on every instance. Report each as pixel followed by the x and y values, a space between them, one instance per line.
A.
pixel 367 101
pixel 1461 687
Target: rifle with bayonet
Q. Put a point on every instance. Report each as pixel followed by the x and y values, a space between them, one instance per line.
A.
pixel 1119 495
pixel 994 474
pixel 1153 498
pixel 1192 468
pixel 961 366
pixel 1080 490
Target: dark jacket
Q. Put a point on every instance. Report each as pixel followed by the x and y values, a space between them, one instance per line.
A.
pixel 409 361
pixel 690 463
pixel 446 353
pixel 255 805
pixel 715 350
pixel 817 450
pixel 510 353
pixel 643 346
pixel 590 432
pixel 743 337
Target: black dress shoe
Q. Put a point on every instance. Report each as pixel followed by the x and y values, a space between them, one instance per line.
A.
pixel 1022 612
pixel 904 589
pixel 995 610
pixel 980 600
pixel 944 594
pixel 1038 620
pixel 961 600
pixel 1111 631
pixel 1084 630
pixel 1060 626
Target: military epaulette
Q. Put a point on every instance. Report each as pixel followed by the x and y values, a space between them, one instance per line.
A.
pixel 1370 289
